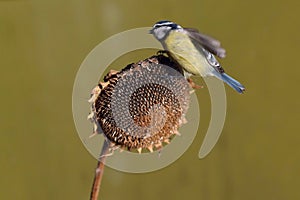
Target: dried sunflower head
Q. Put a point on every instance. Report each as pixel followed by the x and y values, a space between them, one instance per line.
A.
pixel 143 105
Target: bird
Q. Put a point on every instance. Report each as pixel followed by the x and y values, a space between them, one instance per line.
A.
pixel 194 51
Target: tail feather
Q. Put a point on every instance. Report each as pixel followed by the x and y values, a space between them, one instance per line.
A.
pixel 233 83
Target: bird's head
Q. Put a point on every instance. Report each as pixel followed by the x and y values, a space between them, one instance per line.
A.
pixel 161 29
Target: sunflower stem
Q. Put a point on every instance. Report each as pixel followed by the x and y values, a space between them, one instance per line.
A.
pixel 99 171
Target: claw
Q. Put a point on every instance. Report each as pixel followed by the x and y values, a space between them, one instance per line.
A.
pixel 193 84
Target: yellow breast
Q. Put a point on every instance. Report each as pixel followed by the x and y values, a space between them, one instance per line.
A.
pixel 186 54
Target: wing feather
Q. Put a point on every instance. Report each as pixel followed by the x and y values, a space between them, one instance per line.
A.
pixel 208 42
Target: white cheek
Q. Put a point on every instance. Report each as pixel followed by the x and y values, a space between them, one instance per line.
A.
pixel 160 35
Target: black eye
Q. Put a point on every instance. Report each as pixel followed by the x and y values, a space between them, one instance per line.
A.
pixel 173 26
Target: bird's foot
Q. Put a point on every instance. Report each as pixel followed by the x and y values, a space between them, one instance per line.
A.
pixel 193 84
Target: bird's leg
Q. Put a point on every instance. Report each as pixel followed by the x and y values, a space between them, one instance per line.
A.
pixel 193 84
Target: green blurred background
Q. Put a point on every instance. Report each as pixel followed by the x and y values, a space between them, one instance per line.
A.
pixel 42 44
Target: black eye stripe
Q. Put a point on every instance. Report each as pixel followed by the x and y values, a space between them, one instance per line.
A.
pixel 167 24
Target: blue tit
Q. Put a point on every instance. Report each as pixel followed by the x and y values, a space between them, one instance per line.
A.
pixel 194 51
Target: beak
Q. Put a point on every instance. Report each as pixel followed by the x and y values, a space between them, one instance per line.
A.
pixel 150 31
